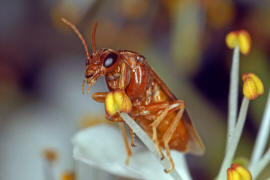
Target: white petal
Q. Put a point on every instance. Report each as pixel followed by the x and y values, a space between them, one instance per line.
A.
pixel 151 169
pixel 102 146
pixel 26 134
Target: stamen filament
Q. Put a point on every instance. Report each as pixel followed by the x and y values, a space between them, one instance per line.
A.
pixel 229 155
pixel 260 165
pixel 233 95
pixel 263 135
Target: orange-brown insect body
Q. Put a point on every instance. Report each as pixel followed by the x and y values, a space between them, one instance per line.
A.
pixel 146 90
pixel 154 107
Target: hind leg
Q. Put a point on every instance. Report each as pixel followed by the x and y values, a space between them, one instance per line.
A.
pixel 169 133
pixel 166 108
pixel 154 129
pixel 162 110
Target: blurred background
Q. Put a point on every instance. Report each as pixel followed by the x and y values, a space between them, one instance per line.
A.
pixel 42 65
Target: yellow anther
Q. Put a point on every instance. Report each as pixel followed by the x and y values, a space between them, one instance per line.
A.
pixel 240 38
pixel 69 175
pixel 117 101
pixel 238 172
pixel 231 40
pixel 253 86
pixel 244 41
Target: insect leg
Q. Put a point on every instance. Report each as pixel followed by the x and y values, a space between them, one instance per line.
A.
pixel 132 136
pixel 165 108
pixel 154 128
pixel 124 134
pixel 169 133
pixel 99 96
pixel 83 85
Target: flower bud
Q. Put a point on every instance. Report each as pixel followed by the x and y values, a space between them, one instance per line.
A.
pixel 253 86
pixel 239 38
pixel 238 172
pixel 117 101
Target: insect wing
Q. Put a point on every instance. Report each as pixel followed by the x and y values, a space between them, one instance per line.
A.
pixel 195 145
pixel 161 83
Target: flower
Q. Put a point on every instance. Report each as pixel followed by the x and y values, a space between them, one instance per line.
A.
pixel 110 154
pixel 253 86
pixel 239 38
pixel 238 172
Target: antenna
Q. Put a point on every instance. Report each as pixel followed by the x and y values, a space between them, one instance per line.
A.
pixel 74 28
pixel 93 37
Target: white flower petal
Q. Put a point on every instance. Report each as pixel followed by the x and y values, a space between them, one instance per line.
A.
pixel 102 146
pixel 26 134
pixel 151 169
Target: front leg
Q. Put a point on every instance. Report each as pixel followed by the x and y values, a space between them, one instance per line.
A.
pixel 99 96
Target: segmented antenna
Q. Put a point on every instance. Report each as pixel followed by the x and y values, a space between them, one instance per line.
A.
pixel 74 28
pixel 93 37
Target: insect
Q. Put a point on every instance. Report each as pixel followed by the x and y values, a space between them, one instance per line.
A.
pixel 162 116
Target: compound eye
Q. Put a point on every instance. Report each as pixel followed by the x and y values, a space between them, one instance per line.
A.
pixel 110 60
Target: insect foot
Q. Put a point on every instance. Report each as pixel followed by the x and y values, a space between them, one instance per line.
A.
pixel 117 101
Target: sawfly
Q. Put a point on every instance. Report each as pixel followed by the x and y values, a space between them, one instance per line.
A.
pixel 154 107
